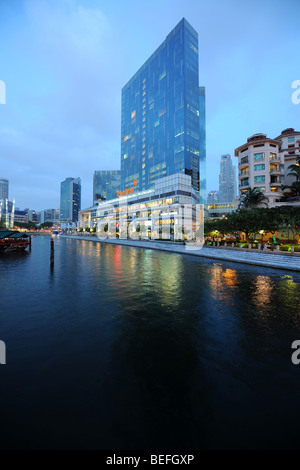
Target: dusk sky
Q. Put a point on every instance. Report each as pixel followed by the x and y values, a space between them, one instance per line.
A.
pixel 64 63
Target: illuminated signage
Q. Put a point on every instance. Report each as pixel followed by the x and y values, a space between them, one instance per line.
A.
pixel 129 190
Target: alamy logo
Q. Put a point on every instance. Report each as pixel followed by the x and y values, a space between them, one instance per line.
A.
pixel 295 356
pixel 296 94
pixel 2 92
pixel 2 352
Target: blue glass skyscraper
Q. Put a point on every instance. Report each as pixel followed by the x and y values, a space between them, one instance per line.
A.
pixel 70 199
pixel 106 184
pixel 160 114
pixel 202 122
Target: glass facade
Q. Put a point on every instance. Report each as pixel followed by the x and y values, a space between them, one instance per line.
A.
pixel 227 180
pixel 160 114
pixel 202 122
pixel 70 199
pixel 106 184
pixel 3 188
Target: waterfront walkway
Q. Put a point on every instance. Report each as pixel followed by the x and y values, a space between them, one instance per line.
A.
pixel 279 260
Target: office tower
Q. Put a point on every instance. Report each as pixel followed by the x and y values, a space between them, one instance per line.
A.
pixel 161 105
pixel 106 184
pixel 227 180
pixel 202 159
pixel 3 188
pixel 70 199
pixel 213 197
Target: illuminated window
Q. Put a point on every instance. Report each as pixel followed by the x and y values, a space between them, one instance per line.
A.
pixel 133 114
pixel 126 138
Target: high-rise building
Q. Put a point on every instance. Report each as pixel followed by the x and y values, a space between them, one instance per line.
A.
pixel 106 184
pixel 70 199
pixel 202 135
pixel 227 180
pixel 48 215
pixel 162 130
pixel 3 188
pixel 213 197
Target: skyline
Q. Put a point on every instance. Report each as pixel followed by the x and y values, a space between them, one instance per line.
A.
pixel 64 67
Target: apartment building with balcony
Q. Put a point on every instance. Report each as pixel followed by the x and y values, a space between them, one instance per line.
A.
pixel 261 165
pixel 290 150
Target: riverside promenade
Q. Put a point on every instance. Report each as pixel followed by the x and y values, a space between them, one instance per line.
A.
pixel 280 260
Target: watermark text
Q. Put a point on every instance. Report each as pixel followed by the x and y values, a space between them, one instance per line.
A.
pixel 296 93
pixel 2 92
pixel 2 352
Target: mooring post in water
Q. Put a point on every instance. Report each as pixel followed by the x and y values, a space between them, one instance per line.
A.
pixel 30 242
pixel 52 252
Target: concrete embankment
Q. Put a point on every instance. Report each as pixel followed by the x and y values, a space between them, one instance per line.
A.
pixel 283 260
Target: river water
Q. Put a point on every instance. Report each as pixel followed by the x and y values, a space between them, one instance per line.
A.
pixel 123 348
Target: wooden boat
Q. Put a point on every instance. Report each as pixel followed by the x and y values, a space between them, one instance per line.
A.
pixel 12 240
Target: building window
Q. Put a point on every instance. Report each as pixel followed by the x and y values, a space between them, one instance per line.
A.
pixel 291 139
pixel 258 179
pixel 245 182
pixel 258 156
pixel 244 160
pixel 259 167
pixel 273 156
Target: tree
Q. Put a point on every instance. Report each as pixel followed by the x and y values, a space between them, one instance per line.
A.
pixel 271 219
pixel 46 225
pixel 29 225
pixel 253 197
pixel 290 218
pixel 295 169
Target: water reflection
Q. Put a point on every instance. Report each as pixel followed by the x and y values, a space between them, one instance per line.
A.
pixel 145 349
pixel 262 293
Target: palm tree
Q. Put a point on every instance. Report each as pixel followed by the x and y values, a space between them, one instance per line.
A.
pixel 253 197
pixel 295 169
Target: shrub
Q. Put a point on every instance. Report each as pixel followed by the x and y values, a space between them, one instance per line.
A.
pixel 285 248
pixel 297 249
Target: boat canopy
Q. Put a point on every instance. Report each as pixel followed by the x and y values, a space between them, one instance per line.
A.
pixel 12 234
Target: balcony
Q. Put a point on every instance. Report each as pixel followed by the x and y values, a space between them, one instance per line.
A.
pixel 244 174
pixel 244 186
pixel 244 162
pixel 275 159
pixel 277 171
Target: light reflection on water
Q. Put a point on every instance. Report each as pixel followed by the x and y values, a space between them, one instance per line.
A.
pixel 123 348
